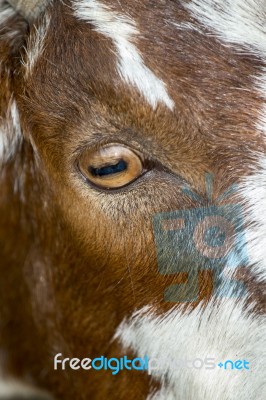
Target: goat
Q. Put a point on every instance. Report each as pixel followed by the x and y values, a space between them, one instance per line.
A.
pixel 123 126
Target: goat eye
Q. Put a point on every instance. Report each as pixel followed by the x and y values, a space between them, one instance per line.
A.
pixel 110 167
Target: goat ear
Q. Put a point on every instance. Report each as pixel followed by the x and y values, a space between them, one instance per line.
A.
pixel 29 9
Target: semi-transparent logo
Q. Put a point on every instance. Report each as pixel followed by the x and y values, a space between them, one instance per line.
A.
pixel 208 237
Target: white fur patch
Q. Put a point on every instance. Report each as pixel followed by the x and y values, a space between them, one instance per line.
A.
pixel 123 31
pixel 224 331
pixel 240 22
pixel 254 193
pixel 10 134
pixel 35 45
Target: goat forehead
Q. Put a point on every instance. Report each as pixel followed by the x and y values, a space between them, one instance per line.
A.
pixel 152 48
pixel 134 56
pixel 156 50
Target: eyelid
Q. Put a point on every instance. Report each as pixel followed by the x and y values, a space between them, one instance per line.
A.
pixel 99 143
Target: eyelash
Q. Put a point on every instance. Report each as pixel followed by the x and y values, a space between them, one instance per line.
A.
pixel 99 143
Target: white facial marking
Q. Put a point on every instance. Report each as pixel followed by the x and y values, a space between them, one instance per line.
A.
pixel 224 331
pixel 123 31
pixel 240 22
pixel 254 193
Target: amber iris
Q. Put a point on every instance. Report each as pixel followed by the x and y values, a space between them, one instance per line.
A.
pixel 110 167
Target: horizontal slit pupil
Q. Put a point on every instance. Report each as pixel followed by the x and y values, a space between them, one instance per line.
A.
pixel 120 166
